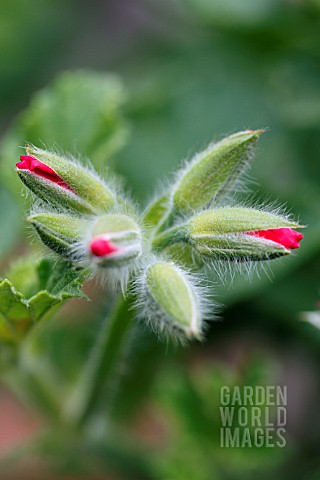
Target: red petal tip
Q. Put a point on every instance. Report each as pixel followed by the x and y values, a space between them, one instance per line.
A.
pixel 287 237
pixel 25 162
pixel 102 247
pixel 32 164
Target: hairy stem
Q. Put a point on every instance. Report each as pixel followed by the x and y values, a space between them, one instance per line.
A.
pixel 102 365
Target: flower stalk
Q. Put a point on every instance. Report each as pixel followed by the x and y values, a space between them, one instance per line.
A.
pixel 99 372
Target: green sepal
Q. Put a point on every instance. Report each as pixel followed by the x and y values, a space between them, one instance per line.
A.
pixel 223 233
pixel 156 211
pixel 91 193
pixel 213 172
pixel 50 193
pixel 173 293
pixel 117 224
pixel 59 232
pixel 236 220
pixel 238 247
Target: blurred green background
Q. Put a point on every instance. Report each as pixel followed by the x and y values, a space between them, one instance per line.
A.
pixel 139 86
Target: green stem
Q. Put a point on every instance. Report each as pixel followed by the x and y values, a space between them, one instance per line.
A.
pixel 105 357
pixel 172 235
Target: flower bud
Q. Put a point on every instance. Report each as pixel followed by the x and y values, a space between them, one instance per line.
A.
pixel 212 173
pixel 59 232
pixel 63 182
pixel 170 301
pixel 114 241
pixel 242 234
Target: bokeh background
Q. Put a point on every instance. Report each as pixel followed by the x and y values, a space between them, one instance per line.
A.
pixel 138 86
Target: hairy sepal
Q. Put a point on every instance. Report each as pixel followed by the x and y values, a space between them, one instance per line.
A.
pixel 172 301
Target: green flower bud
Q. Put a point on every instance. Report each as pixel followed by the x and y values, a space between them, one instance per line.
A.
pixel 63 182
pixel 170 301
pixel 213 172
pixel 110 243
pixel 242 234
pixel 59 232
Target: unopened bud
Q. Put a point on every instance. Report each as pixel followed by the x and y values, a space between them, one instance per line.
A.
pixel 212 172
pixel 63 182
pixel 242 233
pixel 170 301
pixel 58 232
pixel 114 241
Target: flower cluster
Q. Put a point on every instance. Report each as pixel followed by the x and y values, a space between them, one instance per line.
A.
pixel 158 254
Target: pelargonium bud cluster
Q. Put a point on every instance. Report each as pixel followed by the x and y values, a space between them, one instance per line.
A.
pixel 157 254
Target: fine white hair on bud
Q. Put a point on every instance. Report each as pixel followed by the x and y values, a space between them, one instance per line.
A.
pixel 110 247
pixel 174 303
pixel 238 233
pixel 64 182
pixel 212 173
pixel 192 225
pixel 59 232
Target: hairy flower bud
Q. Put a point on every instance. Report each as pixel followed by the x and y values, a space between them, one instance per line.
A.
pixel 242 234
pixel 59 232
pixel 212 173
pixel 63 182
pixel 170 301
pixel 114 240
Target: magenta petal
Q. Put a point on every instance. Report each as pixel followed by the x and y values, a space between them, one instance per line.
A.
pixel 287 237
pixel 101 247
pixel 32 164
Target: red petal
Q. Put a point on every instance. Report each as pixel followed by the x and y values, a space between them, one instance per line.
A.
pixel 28 162
pixel 101 247
pixel 287 237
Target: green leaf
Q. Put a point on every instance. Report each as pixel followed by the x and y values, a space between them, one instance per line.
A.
pixel 60 279
pixel 53 282
pixel 14 314
pixel 23 274
pixel 13 304
pixel 41 303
